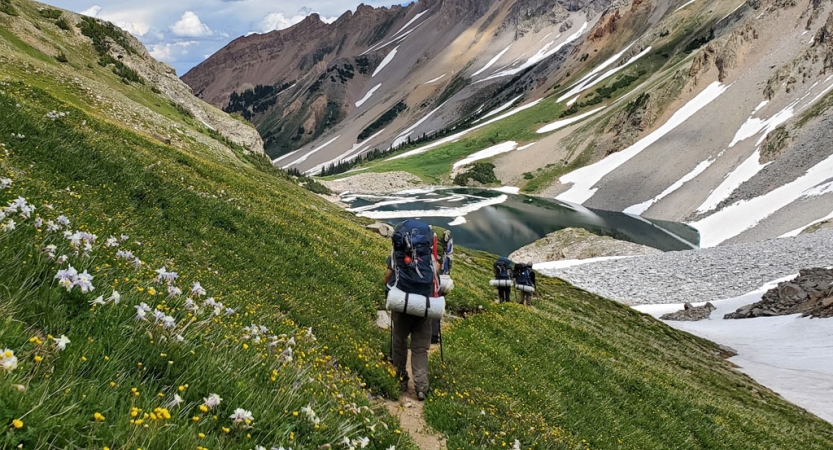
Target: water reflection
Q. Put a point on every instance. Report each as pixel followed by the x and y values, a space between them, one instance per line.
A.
pixel 502 223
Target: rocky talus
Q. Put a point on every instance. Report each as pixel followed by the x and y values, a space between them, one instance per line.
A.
pixel 690 313
pixel 374 183
pixel 577 243
pixel 810 294
pixel 701 275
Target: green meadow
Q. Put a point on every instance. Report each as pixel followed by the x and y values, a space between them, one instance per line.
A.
pixel 157 296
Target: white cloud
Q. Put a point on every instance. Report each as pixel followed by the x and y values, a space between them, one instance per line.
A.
pixel 279 21
pixel 190 26
pixel 91 11
pixel 170 53
pixel 134 28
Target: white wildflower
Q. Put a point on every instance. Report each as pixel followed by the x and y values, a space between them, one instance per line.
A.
pixel 136 263
pixel 190 306
pixel 115 297
pixel 286 355
pixel 291 342
pixel 61 342
pixel 174 291
pixel 124 237
pixel 62 220
pixel 177 400
pixel 62 259
pixel 67 277
pixel 168 322
pixel 38 222
pixel 9 226
pixel 212 401
pixel 84 282
pixel 8 361
pixel 242 415
pixel 52 226
pixel 517 445
pixel 5 183
pixel 98 301
pixel 197 289
pixel 111 242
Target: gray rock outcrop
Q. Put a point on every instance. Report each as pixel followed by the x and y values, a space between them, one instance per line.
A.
pixel 810 294
pixel 577 243
pixel 691 313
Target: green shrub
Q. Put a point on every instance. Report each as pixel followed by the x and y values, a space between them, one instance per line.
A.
pixel 482 172
pixel 62 24
pixel 383 120
pixel 50 13
pixel 7 8
pixel 99 31
pixel 184 111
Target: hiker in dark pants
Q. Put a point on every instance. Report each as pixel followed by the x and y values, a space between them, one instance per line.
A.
pixel 419 330
pixel 503 278
pixel 524 279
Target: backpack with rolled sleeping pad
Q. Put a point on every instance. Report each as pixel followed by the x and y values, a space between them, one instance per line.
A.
pixel 524 278
pixel 415 284
pixel 503 273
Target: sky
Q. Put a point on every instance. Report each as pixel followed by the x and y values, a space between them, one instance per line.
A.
pixel 183 33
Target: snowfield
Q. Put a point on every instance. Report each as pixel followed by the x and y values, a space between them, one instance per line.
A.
pixel 791 355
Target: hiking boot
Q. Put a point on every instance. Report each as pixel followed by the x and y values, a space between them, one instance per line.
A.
pixel 403 386
pixel 421 396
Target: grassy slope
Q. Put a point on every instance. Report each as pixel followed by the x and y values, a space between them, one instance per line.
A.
pixel 288 260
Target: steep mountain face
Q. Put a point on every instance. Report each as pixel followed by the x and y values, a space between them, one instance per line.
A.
pixel 144 93
pixel 698 111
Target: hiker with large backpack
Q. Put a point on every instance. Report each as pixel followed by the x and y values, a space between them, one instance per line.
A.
pixel 503 278
pixel 524 281
pixel 413 299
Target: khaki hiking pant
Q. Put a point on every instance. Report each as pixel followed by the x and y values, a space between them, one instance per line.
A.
pixel 419 328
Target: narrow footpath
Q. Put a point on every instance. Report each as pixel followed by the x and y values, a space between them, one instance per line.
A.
pixel 411 416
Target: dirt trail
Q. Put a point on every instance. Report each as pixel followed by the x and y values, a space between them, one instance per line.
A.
pixel 409 411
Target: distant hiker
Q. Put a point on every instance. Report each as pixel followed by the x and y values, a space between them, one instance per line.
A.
pixel 446 250
pixel 524 281
pixel 413 298
pixel 503 278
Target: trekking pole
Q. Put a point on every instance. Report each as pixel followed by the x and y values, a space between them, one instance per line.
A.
pixel 442 356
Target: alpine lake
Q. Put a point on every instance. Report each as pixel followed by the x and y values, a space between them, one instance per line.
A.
pixel 501 222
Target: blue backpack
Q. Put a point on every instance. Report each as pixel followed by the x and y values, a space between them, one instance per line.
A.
pixel 413 258
pixel 522 274
pixel 503 268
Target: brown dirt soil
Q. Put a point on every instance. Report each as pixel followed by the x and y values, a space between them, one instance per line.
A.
pixel 409 411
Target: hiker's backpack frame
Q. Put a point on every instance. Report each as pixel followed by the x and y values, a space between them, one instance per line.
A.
pixel 413 254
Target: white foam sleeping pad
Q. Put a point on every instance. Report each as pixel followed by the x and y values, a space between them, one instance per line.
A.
pixel 415 305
